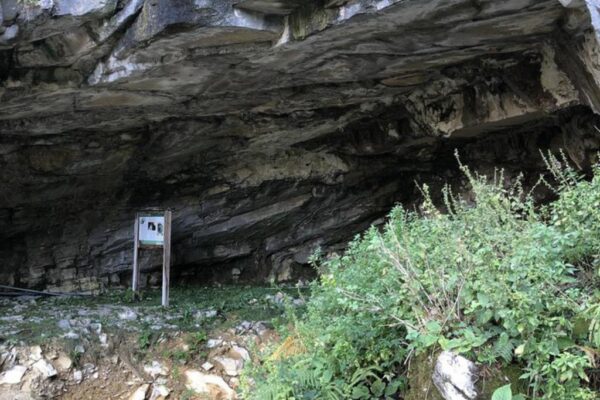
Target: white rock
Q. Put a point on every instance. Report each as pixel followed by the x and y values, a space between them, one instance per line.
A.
pixel 77 376
pixel 128 315
pixel 244 326
pixel 12 318
pixel 212 343
pixel 140 393
pixel 455 377
pixel 35 353
pixel 8 394
pixel 64 324
pixel 240 352
pixel 156 369
pixel 260 328
pixel 231 366
pixel 279 297
pixel 13 375
pixel 159 392
pixel 96 327
pixel 71 335
pixel 45 368
pixel 207 366
pixel 211 385
pixel 63 362
pixel 103 338
pixel 89 368
pixel 161 380
pixel 205 314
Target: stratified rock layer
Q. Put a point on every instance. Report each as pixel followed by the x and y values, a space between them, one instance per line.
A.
pixel 271 127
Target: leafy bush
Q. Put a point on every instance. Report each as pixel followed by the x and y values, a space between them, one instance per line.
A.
pixel 497 279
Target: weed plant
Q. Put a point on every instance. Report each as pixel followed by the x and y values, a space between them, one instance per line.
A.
pixel 499 280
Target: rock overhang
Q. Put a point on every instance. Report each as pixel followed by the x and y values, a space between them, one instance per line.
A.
pixel 272 127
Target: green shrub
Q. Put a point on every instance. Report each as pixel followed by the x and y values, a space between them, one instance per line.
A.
pixel 497 279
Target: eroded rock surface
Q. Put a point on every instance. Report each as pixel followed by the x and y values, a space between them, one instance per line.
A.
pixel 270 127
pixel 455 377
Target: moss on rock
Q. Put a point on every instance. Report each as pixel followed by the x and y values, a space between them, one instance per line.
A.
pixel 496 377
pixel 419 374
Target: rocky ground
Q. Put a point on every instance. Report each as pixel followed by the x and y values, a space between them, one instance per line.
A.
pixel 110 347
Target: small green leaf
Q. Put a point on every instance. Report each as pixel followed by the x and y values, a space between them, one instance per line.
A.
pixel 393 387
pixel 360 392
pixel 503 393
pixel 377 388
pixel 433 327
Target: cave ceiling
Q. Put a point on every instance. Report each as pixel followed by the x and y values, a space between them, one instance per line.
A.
pixel 270 127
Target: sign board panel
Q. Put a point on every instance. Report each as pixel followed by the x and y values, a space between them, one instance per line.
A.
pixel 152 230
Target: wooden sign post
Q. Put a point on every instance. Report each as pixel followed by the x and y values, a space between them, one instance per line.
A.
pixel 152 230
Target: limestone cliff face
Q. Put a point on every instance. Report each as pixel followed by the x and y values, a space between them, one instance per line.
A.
pixel 271 127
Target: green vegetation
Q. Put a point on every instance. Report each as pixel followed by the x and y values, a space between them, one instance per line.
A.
pixel 145 338
pixel 499 280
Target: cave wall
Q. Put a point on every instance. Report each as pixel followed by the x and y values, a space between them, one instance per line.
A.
pixel 272 127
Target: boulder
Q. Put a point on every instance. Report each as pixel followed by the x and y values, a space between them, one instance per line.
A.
pixel 212 386
pixel 231 366
pixel 9 394
pixel 205 314
pixel 35 353
pixel 63 362
pixel 128 315
pixel 46 369
pixel 455 377
pixel 156 369
pixel 78 376
pixel 213 343
pixel 13 376
pixel 140 393
pixel 239 353
pixel 231 358
pixel 159 392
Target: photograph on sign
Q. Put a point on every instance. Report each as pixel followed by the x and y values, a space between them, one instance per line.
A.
pixel 152 230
